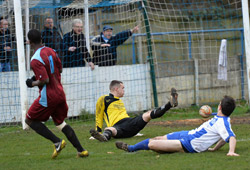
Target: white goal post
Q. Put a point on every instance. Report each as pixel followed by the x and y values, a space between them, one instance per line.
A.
pixel 21 60
pixel 245 12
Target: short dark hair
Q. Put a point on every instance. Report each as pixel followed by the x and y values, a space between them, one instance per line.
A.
pixel 114 83
pixel 227 105
pixel 35 36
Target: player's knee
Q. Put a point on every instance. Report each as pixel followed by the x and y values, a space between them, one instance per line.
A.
pixel 27 121
pixel 151 145
pixel 156 138
pixel 160 138
pixel 112 129
pixel 62 125
pixel 109 128
pixel 146 116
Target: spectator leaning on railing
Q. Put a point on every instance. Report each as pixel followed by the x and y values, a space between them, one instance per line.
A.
pixel 74 47
pixel 104 45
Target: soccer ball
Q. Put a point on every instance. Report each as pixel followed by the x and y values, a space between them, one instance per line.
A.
pixel 205 111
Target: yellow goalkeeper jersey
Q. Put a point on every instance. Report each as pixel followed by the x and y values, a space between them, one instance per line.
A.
pixel 111 109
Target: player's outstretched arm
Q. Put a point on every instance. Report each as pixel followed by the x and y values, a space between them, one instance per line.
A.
pixel 232 146
pixel 218 145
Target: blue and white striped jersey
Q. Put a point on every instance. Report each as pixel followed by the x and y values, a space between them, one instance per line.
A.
pixel 209 133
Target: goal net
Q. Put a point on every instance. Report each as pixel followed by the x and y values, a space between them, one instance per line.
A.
pixel 156 45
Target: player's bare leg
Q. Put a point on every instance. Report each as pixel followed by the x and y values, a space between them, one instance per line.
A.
pixel 165 146
pixel 160 138
pixel 112 129
pixel 157 145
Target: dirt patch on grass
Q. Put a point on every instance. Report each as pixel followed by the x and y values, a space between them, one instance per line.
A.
pixel 234 120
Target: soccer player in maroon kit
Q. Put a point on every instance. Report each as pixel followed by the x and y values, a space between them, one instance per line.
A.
pixel 51 101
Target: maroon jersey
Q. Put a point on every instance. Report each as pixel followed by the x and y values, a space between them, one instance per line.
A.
pixel 46 64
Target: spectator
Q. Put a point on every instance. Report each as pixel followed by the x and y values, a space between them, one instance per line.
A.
pixel 50 35
pixel 74 45
pixel 104 45
pixel 5 46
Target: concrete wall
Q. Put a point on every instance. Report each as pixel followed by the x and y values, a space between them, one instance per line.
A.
pixel 181 75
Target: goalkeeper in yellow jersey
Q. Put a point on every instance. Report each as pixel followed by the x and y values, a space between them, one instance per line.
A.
pixel 119 125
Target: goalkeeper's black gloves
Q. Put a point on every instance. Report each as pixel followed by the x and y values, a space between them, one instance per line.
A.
pixel 30 80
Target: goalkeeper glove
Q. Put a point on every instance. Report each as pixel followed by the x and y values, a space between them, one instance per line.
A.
pixel 29 81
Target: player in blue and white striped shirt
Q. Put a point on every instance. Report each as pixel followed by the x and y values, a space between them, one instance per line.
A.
pixel 216 130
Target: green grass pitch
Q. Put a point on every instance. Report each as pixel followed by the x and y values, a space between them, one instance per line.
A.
pixel 26 150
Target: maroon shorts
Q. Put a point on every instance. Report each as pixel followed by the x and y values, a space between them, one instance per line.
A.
pixel 58 112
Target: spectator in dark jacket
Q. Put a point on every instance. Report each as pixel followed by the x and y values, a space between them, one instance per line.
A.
pixel 104 45
pixel 50 35
pixel 5 46
pixel 74 46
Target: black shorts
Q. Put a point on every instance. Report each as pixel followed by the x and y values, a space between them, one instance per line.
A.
pixel 129 127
